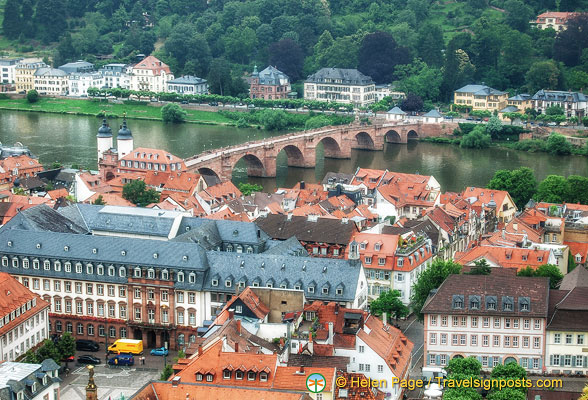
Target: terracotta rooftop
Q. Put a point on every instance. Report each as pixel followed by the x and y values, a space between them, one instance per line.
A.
pixel 251 300
pixel 154 64
pixel 506 257
pixel 294 378
pixel 356 392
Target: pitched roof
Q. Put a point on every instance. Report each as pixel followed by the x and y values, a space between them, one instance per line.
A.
pixel 294 378
pixel 145 154
pixel 577 278
pixel 273 76
pixel 328 230
pixel 252 301
pixel 396 111
pixel 110 199
pixel 571 312
pixel 496 286
pixel 57 193
pixel 478 196
pixel 187 80
pixel 345 76
pixel 480 90
pixel 154 64
pixel 506 257
pixel 559 95
pixel 433 114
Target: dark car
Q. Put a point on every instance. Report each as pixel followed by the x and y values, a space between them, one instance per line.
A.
pixel 87 359
pixel 213 104
pixel 122 359
pixel 184 101
pixel 87 345
pixel 469 119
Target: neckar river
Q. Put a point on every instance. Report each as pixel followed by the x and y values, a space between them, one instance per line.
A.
pixel 72 140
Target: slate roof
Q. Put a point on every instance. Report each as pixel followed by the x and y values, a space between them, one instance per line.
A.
pixel 480 90
pixel 45 71
pixel 262 268
pixel 347 76
pixel 16 377
pixel 187 80
pixel 327 230
pixel 289 246
pixel 396 111
pixel 226 230
pixel 497 284
pixel 509 109
pixel 571 313
pixel 577 278
pixel 433 114
pixel 337 177
pixel 43 218
pixel 273 76
pixel 558 95
pixel 305 360
pixel 520 97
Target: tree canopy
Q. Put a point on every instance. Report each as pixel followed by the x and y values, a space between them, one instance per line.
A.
pixel 137 193
pixel 390 303
pixel 431 278
pixel 519 183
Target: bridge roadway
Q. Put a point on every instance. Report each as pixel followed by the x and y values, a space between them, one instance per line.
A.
pixel 260 156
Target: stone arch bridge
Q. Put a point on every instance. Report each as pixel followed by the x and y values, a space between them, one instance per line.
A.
pixel 300 147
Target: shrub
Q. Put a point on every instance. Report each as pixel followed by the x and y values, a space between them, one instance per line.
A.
pixel 173 113
pixel 32 96
pixel 476 139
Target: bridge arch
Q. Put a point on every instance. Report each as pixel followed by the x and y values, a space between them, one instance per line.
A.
pixel 364 140
pixel 255 166
pixel 295 156
pixel 208 172
pixel 412 135
pixel 331 147
pixel 392 137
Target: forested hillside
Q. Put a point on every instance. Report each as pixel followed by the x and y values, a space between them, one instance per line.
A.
pixel 428 48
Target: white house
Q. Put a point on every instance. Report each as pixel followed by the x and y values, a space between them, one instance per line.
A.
pixel 188 84
pixel 8 68
pixel 497 318
pixel 24 317
pixel 567 332
pixel 432 117
pixel 395 114
pixel 115 76
pixel 50 81
pixel 80 82
pixel 345 86
pixel 150 74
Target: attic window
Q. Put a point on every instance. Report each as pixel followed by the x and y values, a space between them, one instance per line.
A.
pixel 94 251
pixel 325 290
pixel 185 258
pixel 66 248
pixel 339 291
pixel 235 232
pixel 123 253
pixel 228 283
pixel 38 245
pixel 215 282
pixel 155 255
pixel 10 243
pixel 311 289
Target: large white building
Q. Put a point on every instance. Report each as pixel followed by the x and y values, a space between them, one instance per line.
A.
pixel 115 76
pixel 567 332
pixel 8 68
pixel 188 84
pixel 574 104
pixel 80 82
pixel 24 318
pixel 50 81
pixel 150 74
pixel 497 318
pixel 345 86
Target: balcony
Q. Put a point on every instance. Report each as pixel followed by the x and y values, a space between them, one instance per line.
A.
pixel 411 247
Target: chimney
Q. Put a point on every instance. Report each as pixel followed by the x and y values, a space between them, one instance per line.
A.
pixel 231 313
pixel 515 226
pixel 239 327
pixel 236 347
pixel 199 350
pixel 385 318
pixel 336 308
pixel 310 344
pixel 301 369
pixel 289 216
pixel 331 334
pixel 503 233
pixel 91 388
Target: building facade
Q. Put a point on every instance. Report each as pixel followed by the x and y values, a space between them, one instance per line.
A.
pixel 24 318
pixel 80 82
pixel 269 84
pixel 8 68
pixel 480 97
pixel 30 381
pixel 574 104
pixel 50 81
pixel 345 86
pixel 24 75
pixel 496 318
pixel 188 84
pixel 554 20
pixel 115 76
pixel 150 74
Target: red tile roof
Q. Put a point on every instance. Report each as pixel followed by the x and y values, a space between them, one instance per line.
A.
pixel 294 378
pixel 387 249
pixel 110 199
pixel 251 300
pixel 355 391
pixel 57 193
pixel 153 64
pixel 505 256
pixel 483 196
pixel 14 295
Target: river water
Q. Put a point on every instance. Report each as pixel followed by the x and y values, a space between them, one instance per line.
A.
pixel 72 140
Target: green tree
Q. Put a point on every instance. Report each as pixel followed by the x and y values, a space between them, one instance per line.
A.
pixel 507 394
pixel 468 366
pixel 31 357
pixel 494 126
pixel 554 110
pixel 430 279
pixel 558 144
pixel 273 120
pixel 167 372
pixel 99 201
pixel 172 112
pixel 578 189
pixel 430 44
pixel 480 267
pixel 32 96
pixel 219 77
pixel 66 345
pixel 137 193
pixel 552 272
pixel 542 75
pixel 509 371
pixel 553 189
pixel 389 302
pixel 518 15
pixel 476 139
pixel 519 183
pixel 50 19
pixel 248 188
pixel 11 24
pixel 420 79
pixel 318 121
pixel 48 350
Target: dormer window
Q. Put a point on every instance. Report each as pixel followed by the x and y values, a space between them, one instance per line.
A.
pixel 164 275
pixel 209 377
pixel 339 291
pixel 326 290
pixel 263 376
pixel 458 301
pixel 311 289
pixel 239 375
pixel 66 248
pixel 180 276
pixel 491 305
pixel 155 255
pixel 150 274
pixel 475 304
pixel 192 278
pixel 214 282
pixel 363 245
pixel 227 374
pixel 507 307
pixel 378 246
pixel 137 272
pixel 199 377
pixel 228 283
pixel 251 375
pixel 400 262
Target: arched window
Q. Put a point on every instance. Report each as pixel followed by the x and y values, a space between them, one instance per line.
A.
pixel 192 277
pixel 58 326
pixel 181 339
pixel 180 277
pixel 90 329
pixel 164 275
pixel 80 329
pixel 151 273
pixel 57 266
pixel 47 265
pixel 192 338
pixel 137 272
pixel 100 269
pixel 122 272
pixel 123 333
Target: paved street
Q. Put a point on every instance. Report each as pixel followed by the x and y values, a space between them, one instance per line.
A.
pixel 413 329
pixel 112 382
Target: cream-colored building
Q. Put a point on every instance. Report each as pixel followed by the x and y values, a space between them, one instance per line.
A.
pixel 24 75
pixel 480 97
pixel 567 332
pixel 554 20
pixel 345 86
pixel 50 81
pixel 150 74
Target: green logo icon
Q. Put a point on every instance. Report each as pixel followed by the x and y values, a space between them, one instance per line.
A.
pixel 316 383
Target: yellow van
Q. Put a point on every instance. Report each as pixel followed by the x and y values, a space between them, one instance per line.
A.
pixel 129 346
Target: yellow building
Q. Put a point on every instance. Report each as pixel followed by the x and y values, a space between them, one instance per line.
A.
pixel 521 101
pixel 480 97
pixel 24 75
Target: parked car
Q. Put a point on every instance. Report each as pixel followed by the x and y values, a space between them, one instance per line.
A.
pixel 552 124
pixel 213 104
pixel 161 351
pixel 68 359
pixel 87 359
pixel 122 359
pixel 87 345
pixel 184 101
pixel 469 119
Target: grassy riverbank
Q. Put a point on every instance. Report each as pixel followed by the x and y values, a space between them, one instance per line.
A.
pixel 94 108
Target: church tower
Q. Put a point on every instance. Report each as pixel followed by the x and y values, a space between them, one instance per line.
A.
pixel 124 140
pixel 104 139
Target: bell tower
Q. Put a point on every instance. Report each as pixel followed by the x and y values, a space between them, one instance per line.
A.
pixel 104 139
